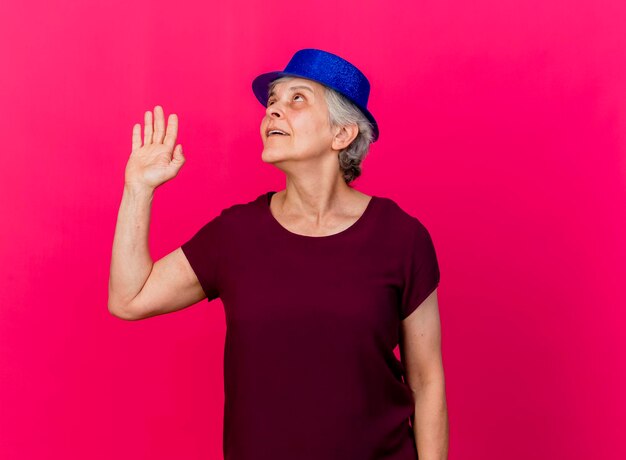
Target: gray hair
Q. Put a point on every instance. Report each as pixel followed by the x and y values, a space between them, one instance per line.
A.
pixel 341 112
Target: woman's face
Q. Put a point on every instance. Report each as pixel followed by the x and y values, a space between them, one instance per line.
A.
pixel 297 107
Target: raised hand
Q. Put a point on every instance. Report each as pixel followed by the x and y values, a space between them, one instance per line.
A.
pixel 157 160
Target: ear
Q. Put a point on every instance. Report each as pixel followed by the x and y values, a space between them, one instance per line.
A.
pixel 344 135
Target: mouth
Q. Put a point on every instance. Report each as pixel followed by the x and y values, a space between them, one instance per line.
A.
pixel 275 132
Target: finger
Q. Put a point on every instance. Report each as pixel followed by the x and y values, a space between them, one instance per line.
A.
pixel 172 130
pixel 159 125
pixel 147 128
pixel 178 159
pixel 136 139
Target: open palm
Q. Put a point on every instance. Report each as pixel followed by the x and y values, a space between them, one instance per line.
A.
pixel 159 158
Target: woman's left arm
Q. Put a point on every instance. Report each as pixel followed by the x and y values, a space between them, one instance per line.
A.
pixel 420 350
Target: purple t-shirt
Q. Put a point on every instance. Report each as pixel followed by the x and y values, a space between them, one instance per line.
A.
pixel 311 327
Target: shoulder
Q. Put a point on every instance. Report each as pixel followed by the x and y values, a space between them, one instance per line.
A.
pixel 397 217
pixel 241 212
pixel 228 225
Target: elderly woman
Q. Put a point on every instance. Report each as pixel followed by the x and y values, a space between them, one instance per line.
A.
pixel 320 282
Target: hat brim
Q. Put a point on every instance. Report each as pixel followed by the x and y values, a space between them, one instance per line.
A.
pixel 261 83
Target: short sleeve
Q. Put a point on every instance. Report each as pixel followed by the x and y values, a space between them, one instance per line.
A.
pixel 421 271
pixel 203 251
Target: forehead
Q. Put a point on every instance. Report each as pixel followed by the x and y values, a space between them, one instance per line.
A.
pixel 293 81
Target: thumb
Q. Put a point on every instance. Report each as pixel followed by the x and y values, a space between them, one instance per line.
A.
pixel 178 158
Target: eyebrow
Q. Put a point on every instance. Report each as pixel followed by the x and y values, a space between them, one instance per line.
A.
pixel 293 88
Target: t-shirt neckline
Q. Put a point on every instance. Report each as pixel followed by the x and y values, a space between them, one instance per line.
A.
pixel 266 207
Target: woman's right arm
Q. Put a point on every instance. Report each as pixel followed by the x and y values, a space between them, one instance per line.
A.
pixel 139 287
pixel 131 262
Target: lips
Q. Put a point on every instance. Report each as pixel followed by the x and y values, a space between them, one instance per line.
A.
pixel 270 129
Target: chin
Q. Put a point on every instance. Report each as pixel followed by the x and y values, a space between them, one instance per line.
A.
pixel 272 155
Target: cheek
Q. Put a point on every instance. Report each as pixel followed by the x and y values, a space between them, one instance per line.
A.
pixel 311 128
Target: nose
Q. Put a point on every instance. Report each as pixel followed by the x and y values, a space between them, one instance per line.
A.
pixel 273 111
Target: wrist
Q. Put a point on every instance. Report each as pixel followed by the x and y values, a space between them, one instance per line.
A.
pixel 138 189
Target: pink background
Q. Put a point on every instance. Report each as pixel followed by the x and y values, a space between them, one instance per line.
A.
pixel 502 129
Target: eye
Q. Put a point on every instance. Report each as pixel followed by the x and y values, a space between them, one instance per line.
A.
pixel 269 102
